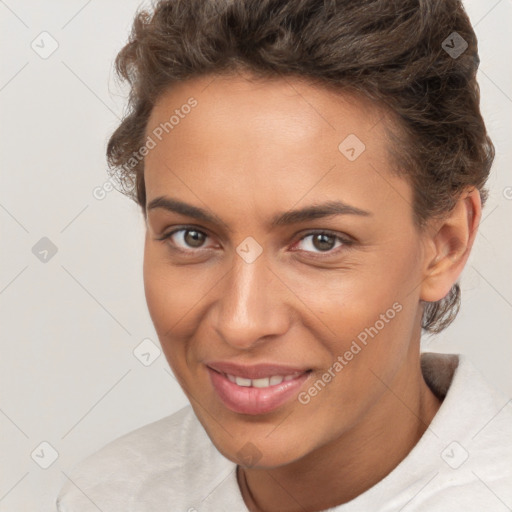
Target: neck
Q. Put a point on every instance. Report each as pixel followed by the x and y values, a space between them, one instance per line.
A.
pixel 360 458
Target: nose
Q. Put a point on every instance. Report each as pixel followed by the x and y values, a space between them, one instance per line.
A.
pixel 252 307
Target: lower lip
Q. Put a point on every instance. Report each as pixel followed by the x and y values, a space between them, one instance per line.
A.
pixel 251 400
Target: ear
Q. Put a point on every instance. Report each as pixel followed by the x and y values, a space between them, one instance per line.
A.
pixel 448 243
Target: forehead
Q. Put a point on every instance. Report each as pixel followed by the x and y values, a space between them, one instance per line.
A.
pixel 265 141
pixel 285 110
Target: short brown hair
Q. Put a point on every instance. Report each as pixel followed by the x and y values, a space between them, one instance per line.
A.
pixel 395 52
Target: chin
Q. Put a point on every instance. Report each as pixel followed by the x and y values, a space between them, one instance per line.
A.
pixel 260 451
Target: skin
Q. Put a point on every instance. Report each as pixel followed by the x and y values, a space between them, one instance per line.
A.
pixel 250 150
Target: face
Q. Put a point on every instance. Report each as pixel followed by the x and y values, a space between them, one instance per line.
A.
pixel 301 310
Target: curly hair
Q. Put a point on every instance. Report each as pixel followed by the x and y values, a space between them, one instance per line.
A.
pixel 398 53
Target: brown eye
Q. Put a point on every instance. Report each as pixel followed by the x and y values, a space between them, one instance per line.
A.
pixel 321 242
pixel 186 238
pixel 194 238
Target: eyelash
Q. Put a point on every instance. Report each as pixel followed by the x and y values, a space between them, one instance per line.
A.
pixel 344 241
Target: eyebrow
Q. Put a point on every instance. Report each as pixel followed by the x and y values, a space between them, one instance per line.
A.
pixel 312 212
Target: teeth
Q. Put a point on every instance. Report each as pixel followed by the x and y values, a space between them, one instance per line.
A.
pixel 264 382
pixel 261 383
pixel 240 381
pixel 276 379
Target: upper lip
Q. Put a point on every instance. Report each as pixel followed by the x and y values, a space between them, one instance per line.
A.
pixel 256 371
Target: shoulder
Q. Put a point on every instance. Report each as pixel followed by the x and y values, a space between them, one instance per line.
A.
pixel 145 469
pixel 474 442
pixel 463 461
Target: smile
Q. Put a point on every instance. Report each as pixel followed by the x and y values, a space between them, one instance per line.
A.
pixel 264 382
pixel 258 389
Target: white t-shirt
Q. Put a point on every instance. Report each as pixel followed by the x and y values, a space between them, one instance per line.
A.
pixel 463 462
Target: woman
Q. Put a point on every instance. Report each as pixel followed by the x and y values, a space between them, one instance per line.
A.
pixel 312 178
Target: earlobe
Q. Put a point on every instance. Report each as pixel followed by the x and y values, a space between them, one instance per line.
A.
pixel 449 244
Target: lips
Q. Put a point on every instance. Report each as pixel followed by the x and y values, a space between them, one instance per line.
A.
pixel 256 371
pixel 256 389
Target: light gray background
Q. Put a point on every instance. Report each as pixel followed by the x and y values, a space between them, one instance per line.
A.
pixel 68 373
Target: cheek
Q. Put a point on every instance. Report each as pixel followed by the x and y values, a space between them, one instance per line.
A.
pixel 175 296
pixel 350 300
pixel 156 284
pixel 165 307
pixel 170 291
pixel 368 313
